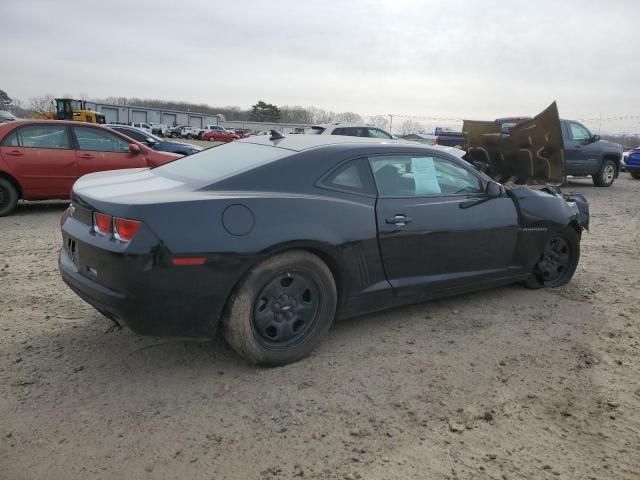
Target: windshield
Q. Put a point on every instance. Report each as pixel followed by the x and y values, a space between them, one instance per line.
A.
pixel 218 163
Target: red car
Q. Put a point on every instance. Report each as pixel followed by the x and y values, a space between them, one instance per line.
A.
pixel 220 136
pixel 41 159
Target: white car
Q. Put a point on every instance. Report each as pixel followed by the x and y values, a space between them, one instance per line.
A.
pixel 349 130
pixel 190 132
pixel 142 126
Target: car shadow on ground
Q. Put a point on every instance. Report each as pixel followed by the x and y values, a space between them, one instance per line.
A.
pixel 93 341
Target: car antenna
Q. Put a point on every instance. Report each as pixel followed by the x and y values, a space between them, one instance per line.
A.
pixel 276 135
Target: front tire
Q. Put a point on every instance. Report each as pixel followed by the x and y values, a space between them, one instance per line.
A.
pixel 282 309
pixel 558 260
pixel 606 175
pixel 8 197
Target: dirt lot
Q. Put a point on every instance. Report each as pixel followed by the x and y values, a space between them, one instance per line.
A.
pixel 504 384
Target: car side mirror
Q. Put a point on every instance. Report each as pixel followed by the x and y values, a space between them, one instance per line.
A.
pixel 595 138
pixel 494 190
pixel 133 148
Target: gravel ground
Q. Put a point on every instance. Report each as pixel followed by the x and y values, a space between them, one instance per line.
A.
pixel 504 384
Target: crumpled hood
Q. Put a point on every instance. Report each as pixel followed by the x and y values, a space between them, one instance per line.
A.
pixel 533 151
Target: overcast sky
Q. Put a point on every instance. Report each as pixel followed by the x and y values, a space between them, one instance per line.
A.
pixel 453 59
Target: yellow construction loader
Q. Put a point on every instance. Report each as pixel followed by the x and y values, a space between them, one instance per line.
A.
pixel 69 109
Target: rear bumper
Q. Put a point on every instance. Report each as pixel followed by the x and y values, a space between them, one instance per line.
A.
pixel 185 301
pixel 173 311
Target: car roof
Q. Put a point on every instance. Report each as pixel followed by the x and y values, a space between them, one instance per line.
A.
pixel 356 125
pixel 299 142
pixel 8 126
pixel 56 122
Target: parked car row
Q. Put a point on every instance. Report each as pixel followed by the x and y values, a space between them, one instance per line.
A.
pixel 152 141
pixel 211 133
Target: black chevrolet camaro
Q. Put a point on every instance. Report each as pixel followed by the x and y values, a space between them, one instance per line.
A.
pixel 270 239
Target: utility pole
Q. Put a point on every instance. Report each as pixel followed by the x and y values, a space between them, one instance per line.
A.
pixel 390 123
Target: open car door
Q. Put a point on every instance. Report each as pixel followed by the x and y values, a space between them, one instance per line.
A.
pixel 532 151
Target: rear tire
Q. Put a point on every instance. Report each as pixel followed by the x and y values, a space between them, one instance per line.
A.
pixel 8 197
pixel 606 175
pixel 282 309
pixel 636 174
pixel 558 260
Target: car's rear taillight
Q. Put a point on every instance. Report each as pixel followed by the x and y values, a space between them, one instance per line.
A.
pixel 102 224
pixel 125 229
pixel 437 142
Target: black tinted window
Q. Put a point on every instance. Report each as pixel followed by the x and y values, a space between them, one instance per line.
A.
pixel 352 176
pixel 136 135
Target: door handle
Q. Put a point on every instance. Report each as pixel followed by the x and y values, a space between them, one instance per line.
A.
pixel 399 219
pixel 86 155
pixel 15 153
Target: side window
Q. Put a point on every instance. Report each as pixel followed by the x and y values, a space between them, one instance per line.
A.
pixel 416 176
pixel 11 140
pixel 578 132
pixel 44 136
pixel 96 140
pixel 351 176
pixel 376 133
pixel 340 131
pixel 139 136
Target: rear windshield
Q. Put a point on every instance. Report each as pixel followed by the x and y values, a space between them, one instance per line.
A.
pixel 217 163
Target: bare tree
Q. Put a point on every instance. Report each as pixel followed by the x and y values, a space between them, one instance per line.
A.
pixel 295 114
pixel 42 103
pixel 318 115
pixel 349 117
pixel 410 126
pixel 380 121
